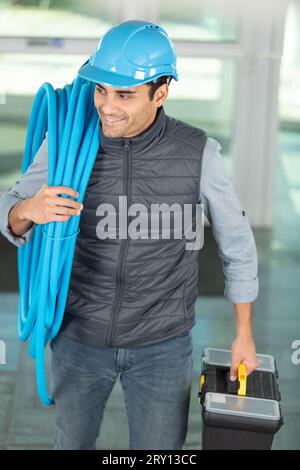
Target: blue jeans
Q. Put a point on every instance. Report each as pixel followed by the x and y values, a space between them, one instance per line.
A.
pixel 156 382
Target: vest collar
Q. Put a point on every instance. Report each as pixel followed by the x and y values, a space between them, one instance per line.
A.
pixel 139 142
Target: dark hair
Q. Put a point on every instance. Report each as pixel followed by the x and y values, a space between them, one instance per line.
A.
pixel 154 86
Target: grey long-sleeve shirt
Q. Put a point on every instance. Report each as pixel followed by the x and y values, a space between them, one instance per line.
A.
pixel 230 225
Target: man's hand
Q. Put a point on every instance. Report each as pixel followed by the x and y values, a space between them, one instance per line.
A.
pixel 46 206
pixel 243 347
pixel 243 350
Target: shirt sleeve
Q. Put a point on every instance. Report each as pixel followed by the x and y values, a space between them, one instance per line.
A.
pixel 230 227
pixel 25 187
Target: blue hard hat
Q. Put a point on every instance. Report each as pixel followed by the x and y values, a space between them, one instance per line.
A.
pixel 130 54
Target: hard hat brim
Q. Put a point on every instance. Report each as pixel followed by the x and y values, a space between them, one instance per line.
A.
pixel 94 74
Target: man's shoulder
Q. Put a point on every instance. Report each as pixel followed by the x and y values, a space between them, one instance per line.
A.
pixel 213 145
pixel 187 133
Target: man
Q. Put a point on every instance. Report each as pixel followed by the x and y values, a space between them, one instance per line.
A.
pixel 130 306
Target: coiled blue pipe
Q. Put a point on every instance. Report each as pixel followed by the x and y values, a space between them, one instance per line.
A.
pixel 45 262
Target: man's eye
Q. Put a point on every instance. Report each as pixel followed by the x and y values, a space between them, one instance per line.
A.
pixel 124 97
pixel 99 90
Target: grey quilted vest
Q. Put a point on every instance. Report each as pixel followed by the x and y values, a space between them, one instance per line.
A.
pixel 128 292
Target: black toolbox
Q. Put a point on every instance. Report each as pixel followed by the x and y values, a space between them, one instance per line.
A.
pixel 238 415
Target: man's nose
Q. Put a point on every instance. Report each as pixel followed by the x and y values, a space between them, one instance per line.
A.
pixel 108 107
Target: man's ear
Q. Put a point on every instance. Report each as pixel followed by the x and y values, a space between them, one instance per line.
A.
pixel 161 95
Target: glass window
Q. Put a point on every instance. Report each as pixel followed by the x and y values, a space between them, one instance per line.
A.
pixel 288 169
pixel 23 74
pixel 56 18
pixel 289 94
pixel 204 96
pixel 21 77
pixel 208 20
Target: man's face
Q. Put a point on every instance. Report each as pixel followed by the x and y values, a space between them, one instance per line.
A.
pixel 127 112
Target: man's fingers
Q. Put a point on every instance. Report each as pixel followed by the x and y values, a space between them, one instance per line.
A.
pixel 233 376
pixel 62 210
pixel 54 190
pixel 251 366
pixel 62 201
pixel 234 370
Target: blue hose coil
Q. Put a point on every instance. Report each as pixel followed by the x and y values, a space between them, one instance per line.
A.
pixel 45 262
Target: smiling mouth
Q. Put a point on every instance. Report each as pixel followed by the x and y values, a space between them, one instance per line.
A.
pixel 112 120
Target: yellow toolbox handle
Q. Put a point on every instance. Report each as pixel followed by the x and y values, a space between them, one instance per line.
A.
pixel 202 381
pixel 242 377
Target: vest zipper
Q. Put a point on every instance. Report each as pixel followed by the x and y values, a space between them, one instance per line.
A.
pixel 124 243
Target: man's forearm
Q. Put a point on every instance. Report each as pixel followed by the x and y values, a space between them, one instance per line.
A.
pixel 18 222
pixel 243 347
pixel 243 313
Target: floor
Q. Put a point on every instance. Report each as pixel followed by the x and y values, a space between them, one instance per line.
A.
pixel 26 424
